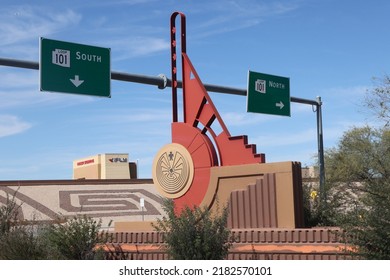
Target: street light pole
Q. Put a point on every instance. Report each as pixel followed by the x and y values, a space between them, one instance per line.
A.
pixel 321 161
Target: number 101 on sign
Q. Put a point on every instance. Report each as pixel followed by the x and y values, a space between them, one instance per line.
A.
pixel 61 57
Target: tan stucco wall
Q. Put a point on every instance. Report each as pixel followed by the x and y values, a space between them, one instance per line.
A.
pixel 102 166
pixel 87 168
pixel 228 178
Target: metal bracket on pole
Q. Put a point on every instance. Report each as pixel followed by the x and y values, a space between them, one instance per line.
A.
pixel 165 79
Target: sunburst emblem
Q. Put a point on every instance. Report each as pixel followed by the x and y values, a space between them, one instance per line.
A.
pixel 173 170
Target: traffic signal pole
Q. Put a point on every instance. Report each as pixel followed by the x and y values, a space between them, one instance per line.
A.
pixel 161 81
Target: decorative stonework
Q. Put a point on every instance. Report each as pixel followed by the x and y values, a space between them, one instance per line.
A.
pixel 173 170
pixel 111 201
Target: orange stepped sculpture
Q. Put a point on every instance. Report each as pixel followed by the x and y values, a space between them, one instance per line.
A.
pixel 205 163
pixel 191 146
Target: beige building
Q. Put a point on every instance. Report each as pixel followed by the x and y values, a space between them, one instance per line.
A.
pixel 310 172
pixel 104 166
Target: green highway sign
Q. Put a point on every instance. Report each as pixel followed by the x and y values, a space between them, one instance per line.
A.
pixel 74 68
pixel 268 94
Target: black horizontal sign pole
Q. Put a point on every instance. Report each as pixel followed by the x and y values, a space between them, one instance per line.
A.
pixel 161 81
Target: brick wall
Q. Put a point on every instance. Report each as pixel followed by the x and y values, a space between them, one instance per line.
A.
pixel 261 244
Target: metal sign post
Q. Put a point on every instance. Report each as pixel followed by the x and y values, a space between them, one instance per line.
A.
pixel 142 204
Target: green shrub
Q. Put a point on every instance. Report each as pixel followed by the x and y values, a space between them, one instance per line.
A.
pixel 194 234
pixel 8 215
pixel 22 242
pixel 79 238
pixel 18 239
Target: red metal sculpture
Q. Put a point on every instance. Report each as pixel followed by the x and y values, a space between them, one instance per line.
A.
pixel 193 133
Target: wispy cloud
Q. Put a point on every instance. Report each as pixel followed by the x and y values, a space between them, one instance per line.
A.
pixel 236 15
pixel 23 23
pixel 17 80
pixel 10 125
pixel 21 26
pixel 138 46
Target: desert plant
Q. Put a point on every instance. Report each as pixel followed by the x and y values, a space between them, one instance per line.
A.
pixel 23 242
pixel 79 238
pixel 194 233
pixel 19 240
pixel 8 214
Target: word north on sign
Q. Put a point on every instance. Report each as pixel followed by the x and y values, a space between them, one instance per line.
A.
pixel 74 68
pixel 268 94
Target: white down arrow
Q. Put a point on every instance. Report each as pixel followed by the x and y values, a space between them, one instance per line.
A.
pixel 76 81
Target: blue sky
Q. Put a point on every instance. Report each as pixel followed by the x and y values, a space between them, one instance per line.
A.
pixel 327 48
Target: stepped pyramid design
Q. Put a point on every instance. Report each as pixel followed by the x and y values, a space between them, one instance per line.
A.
pixel 200 112
pixel 201 132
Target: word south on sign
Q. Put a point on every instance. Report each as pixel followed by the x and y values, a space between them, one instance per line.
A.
pixel 88 57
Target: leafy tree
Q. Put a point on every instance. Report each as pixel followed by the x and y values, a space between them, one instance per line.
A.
pixel 194 234
pixel 358 173
pixel 378 99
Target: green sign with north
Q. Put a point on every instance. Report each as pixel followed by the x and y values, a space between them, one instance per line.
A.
pixel 268 94
pixel 74 68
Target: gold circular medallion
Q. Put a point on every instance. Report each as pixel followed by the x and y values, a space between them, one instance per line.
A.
pixel 173 170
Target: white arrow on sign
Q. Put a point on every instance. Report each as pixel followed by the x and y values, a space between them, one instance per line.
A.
pixel 76 81
pixel 280 105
